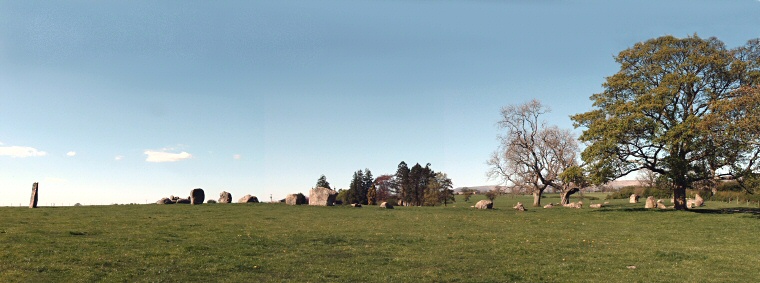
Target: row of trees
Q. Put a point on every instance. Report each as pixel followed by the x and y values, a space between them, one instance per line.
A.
pixel 682 109
pixel 418 186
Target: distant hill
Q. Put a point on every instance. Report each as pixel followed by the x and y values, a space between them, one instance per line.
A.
pixel 617 184
pixel 480 189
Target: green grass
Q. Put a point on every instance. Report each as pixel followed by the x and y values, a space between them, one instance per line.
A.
pixel 275 242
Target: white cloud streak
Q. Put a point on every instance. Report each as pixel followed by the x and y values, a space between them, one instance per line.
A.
pixel 20 151
pixel 71 153
pixel 162 156
pixel 237 157
pixel 118 157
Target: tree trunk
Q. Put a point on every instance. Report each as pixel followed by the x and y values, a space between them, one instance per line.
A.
pixel 566 195
pixel 679 197
pixel 537 198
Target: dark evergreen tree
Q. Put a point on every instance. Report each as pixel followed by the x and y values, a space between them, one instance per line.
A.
pixel 322 182
pixel 416 187
pixel 402 183
pixel 355 188
pixel 367 181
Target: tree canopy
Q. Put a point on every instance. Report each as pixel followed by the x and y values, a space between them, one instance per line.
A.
pixel 532 154
pixel 682 108
pixel 322 182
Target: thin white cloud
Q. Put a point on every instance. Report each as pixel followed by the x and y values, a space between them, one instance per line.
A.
pixel 163 156
pixel 237 157
pixel 71 153
pixel 20 151
pixel 118 157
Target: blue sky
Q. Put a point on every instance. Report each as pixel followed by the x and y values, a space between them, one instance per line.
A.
pixel 130 101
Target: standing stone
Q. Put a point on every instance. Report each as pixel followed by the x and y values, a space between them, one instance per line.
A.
pixel 225 197
pixel 295 199
pixel 248 198
pixel 35 197
pixel 633 199
pixel 698 201
pixel 197 196
pixel 322 196
pixel 484 204
pixel 651 203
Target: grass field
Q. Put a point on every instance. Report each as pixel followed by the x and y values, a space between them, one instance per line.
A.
pixel 275 242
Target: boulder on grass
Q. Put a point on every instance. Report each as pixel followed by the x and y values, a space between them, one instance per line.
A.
pixel 484 204
pixel 387 205
pixel 183 201
pixel 698 201
pixel 295 199
pixel 690 203
pixel 634 198
pixel 225 197
pixel 595 205
pixel 519 206
pixel 651 203
pixel 165 201
pixel 197 196
pixel 248 198
pixel 661 205
pixel 578 204
pixel 322 196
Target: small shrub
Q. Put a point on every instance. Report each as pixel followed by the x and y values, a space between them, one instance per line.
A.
pixel 492 194
pixel 211 201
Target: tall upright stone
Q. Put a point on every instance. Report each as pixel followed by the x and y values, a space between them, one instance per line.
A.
pixel 197 196
pixel 35 195
pixel 651 203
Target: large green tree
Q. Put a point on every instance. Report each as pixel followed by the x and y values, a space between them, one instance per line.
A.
pixel 439 190
pixel 684 108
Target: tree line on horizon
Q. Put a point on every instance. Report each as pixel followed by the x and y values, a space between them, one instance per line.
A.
pixel 416 186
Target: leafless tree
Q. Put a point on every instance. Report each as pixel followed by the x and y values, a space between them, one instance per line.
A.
pixel 532 155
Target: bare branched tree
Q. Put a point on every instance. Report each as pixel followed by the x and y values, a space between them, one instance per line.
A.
pixel 532 155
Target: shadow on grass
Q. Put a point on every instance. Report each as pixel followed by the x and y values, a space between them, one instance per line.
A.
pixel 748 211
